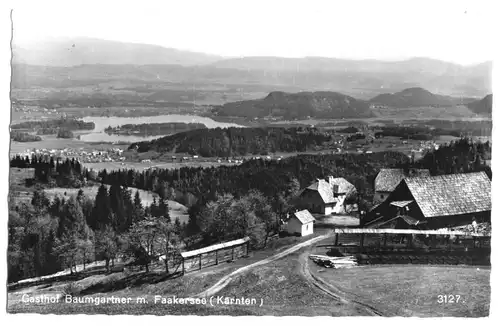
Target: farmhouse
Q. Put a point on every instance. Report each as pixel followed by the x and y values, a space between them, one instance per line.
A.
pixel 301 223
pixel 387 179
pixel 327 197
pixel 435 202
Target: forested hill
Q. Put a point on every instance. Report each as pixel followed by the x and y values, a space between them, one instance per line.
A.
pixel 416 97
pixel 329 105
pixel 236 141
pixel 483 106
pixel 272 178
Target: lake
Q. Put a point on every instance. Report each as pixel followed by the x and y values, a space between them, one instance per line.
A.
pixel 101 123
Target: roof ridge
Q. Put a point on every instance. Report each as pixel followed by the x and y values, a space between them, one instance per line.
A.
pixel 443 176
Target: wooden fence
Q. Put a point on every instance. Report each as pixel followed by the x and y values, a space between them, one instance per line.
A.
pixel 394 246
pixel 213 255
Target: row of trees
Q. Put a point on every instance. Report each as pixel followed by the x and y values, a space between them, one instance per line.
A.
pixel 151 129
pixel 54 172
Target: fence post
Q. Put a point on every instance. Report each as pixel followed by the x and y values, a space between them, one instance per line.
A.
pixel 336 239
pixel 216 258
pixel 232 253
pixel 183 270
pixel 200 262
pixel 385 240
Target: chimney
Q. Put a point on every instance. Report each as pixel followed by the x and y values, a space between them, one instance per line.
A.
pixel 335 189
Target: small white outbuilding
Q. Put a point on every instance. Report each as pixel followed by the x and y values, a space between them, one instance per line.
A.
pixel 301 222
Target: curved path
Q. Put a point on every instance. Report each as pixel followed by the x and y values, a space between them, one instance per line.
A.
pixel 223 282
pixel 329 289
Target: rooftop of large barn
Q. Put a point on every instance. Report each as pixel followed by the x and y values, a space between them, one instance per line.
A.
pixel 451 194
pixel 388 179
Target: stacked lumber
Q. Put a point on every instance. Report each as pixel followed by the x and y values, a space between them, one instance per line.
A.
pixel 481 228
pixel 334 262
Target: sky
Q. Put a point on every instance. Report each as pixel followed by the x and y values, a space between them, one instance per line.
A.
pixel 459 31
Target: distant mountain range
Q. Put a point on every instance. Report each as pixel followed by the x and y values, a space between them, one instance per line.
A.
pixel 329 105
pixel 65 63
pixel 89 51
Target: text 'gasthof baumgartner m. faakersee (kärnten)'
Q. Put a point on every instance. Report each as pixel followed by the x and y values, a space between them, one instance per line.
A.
pixel 213 301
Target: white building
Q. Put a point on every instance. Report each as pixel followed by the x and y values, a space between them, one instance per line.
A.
pixel 327 197
pixel 301 222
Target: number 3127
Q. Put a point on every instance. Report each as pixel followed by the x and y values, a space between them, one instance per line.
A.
pixel 448 298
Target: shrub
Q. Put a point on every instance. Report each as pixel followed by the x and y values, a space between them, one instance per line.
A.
pixel 71 289
pixel 64 133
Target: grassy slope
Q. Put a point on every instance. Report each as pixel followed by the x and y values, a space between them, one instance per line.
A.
pixel 412 290
pixel 141 285
pixel 284 292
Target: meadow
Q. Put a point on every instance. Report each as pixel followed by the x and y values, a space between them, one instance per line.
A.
pixel 414 290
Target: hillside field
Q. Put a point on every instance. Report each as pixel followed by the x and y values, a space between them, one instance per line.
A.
pixel 413 290
pixel 176 209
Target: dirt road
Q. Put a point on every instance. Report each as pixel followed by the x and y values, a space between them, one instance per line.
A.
pixel 331 290
pixel 228 278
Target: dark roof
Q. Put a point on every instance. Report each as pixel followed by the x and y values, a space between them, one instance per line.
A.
pixel 304 216
pixel 324 189
pixel 388 179
pixel 451 194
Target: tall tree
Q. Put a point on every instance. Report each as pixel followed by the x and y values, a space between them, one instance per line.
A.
pixel 101 214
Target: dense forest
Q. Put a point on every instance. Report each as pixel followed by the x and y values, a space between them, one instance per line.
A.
pixel 53 173
pixel 237 141
pixel 302 105
pixel 47 236
pixel 47 131
pixel 66 123
pixel 461 156
pixel 64 133
pixel 23 136
pixel 153 129
pixel 415 133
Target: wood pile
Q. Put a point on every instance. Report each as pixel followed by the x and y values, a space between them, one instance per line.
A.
pixel 334 262
pixel 480 228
